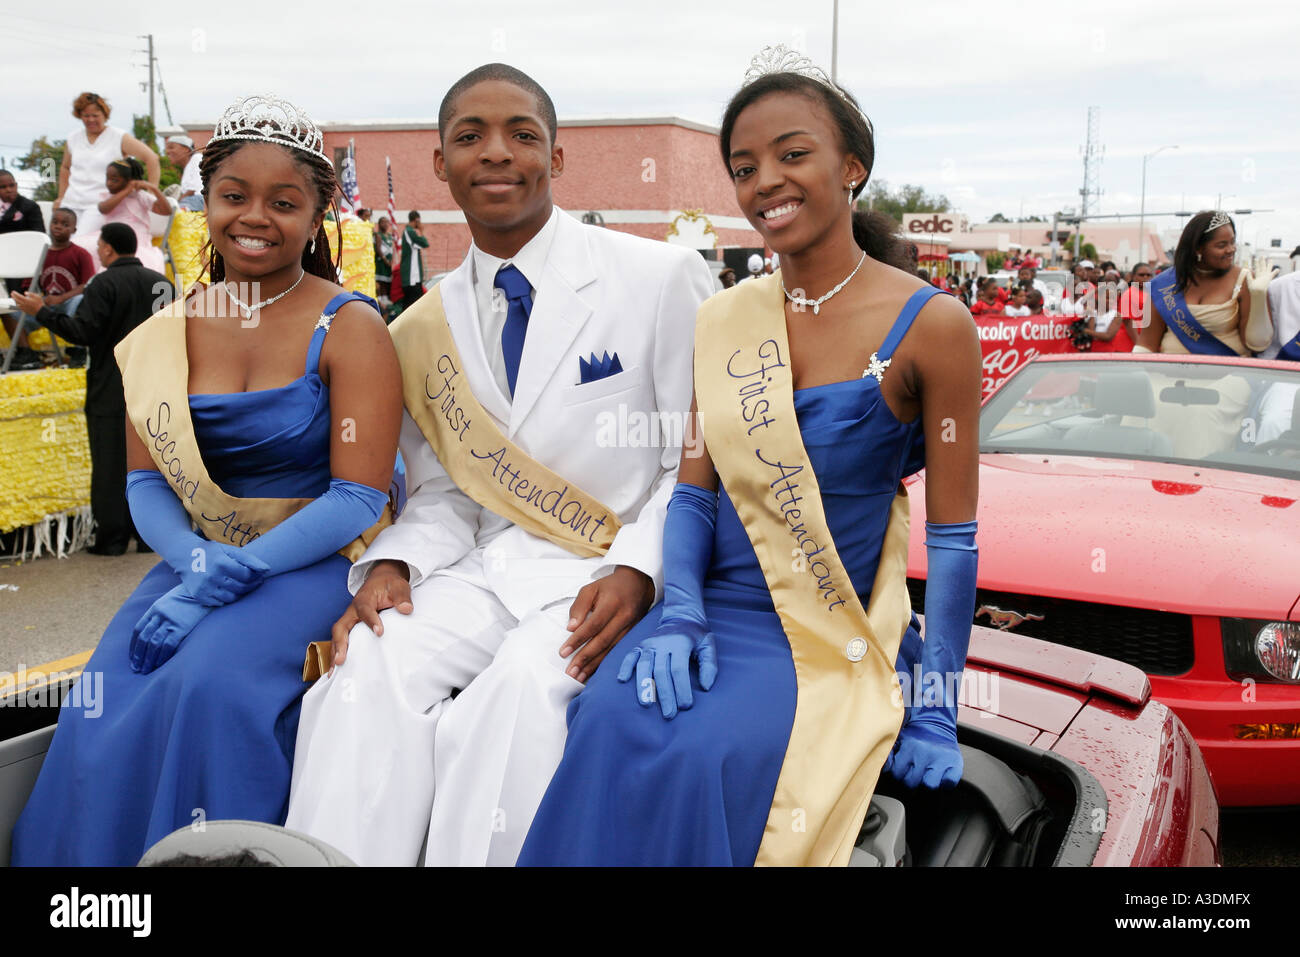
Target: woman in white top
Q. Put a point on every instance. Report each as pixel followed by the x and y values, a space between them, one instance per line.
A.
pixel 86 157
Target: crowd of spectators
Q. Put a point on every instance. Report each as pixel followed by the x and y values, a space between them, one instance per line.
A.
pixel 1104 300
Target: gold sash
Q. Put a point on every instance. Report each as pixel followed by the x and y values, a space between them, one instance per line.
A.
pixel 487 466
pixel 155 378
pixel 848 711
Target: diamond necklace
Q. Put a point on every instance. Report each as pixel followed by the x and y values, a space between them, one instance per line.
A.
pixel 817 303
pixel 249 310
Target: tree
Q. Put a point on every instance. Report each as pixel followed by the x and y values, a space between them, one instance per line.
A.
pixel 1086 249
pixel 906 199
pixel 142 128
pixel 46 158
pixel 994 261
pixel 998 218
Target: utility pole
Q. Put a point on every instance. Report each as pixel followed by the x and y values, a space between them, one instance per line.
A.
pixel 1092 154
pixel 153 118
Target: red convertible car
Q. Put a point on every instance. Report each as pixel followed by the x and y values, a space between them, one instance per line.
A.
pixel 1069 762
pixel 1147 508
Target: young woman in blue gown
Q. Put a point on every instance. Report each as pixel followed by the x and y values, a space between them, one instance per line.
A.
pixel 881 364
pixel 293 392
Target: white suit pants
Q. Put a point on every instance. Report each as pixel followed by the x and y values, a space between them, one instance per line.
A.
pixel 384 754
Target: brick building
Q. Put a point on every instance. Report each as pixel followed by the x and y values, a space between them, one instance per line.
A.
pixel 659 177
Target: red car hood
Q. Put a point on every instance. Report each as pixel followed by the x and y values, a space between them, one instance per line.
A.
pixel 1143 534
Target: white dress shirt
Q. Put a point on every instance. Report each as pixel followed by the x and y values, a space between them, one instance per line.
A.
pixel 531 261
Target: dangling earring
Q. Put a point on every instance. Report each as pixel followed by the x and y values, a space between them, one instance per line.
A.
pixel 313 246
pixel 1198 257
pixel 852 184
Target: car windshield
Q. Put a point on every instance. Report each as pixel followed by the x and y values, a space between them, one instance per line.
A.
pixel 1238 417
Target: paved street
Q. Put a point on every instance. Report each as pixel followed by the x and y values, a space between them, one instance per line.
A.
pixel 51 608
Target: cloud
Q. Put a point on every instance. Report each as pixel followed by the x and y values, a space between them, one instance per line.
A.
pixel 991 104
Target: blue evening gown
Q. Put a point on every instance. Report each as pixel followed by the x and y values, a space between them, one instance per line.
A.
pixel 210 734
pixel 635 789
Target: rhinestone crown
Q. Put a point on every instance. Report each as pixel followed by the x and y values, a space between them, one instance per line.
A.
pixel 781 59
pixel 1220 218
pixel 270 119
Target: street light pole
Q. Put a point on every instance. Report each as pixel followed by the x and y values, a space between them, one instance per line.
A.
pixel 1142 216
pixel 835 39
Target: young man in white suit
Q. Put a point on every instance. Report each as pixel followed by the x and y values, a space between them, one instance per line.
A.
pixel 456 597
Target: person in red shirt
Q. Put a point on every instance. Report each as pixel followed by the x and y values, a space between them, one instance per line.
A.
pixel 68 267
pixel 987 302
pixel 1122 332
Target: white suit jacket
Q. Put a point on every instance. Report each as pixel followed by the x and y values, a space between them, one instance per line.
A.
pixel 601 291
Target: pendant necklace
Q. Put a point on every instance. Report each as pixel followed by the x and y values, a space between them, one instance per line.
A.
pixel 249 310
pixel 817 303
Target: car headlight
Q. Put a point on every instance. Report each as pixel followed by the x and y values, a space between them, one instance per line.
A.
pixel 1262 649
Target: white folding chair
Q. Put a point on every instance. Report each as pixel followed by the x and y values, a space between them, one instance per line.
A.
pixel 22 254
pixel 161 226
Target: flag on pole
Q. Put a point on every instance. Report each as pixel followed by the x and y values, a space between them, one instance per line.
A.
pixel 395 292
pixel 392 207
pixel 351 192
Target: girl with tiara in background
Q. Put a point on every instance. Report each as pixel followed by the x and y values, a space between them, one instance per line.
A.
pixel 1206 304
pixel 264 409
pixel 129 198
pixel 785 545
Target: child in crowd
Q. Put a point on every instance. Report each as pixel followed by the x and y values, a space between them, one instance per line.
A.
pixel 129 198
pixel 1017 305
pixel 68 267
pixel 988 302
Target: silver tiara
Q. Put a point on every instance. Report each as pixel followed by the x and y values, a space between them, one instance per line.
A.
pixel 1220 218
pixel 781 59
pixel 270 119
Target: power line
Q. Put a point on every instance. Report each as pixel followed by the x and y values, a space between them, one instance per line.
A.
pixel 64 26
pixel 67 44
pixel 163 90
pixel 63 36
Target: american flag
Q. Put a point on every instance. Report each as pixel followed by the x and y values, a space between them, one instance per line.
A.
pixel 351 192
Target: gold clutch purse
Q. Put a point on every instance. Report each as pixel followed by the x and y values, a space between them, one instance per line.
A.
pixel 320 658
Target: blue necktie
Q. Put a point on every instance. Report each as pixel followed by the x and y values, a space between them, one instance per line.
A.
pixel 519 296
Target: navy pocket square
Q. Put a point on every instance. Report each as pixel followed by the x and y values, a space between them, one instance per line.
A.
pixel 593 369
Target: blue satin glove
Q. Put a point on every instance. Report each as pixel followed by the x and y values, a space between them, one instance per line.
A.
pixel 320 528
pixel 163 627
pixel 662 661
pixel 213 573
pixel 926 751
pixel 663 665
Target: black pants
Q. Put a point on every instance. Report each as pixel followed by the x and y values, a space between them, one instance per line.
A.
pixel 113 526
pixel 410 294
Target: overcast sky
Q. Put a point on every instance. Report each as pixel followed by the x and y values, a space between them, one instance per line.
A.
pixel 984 102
